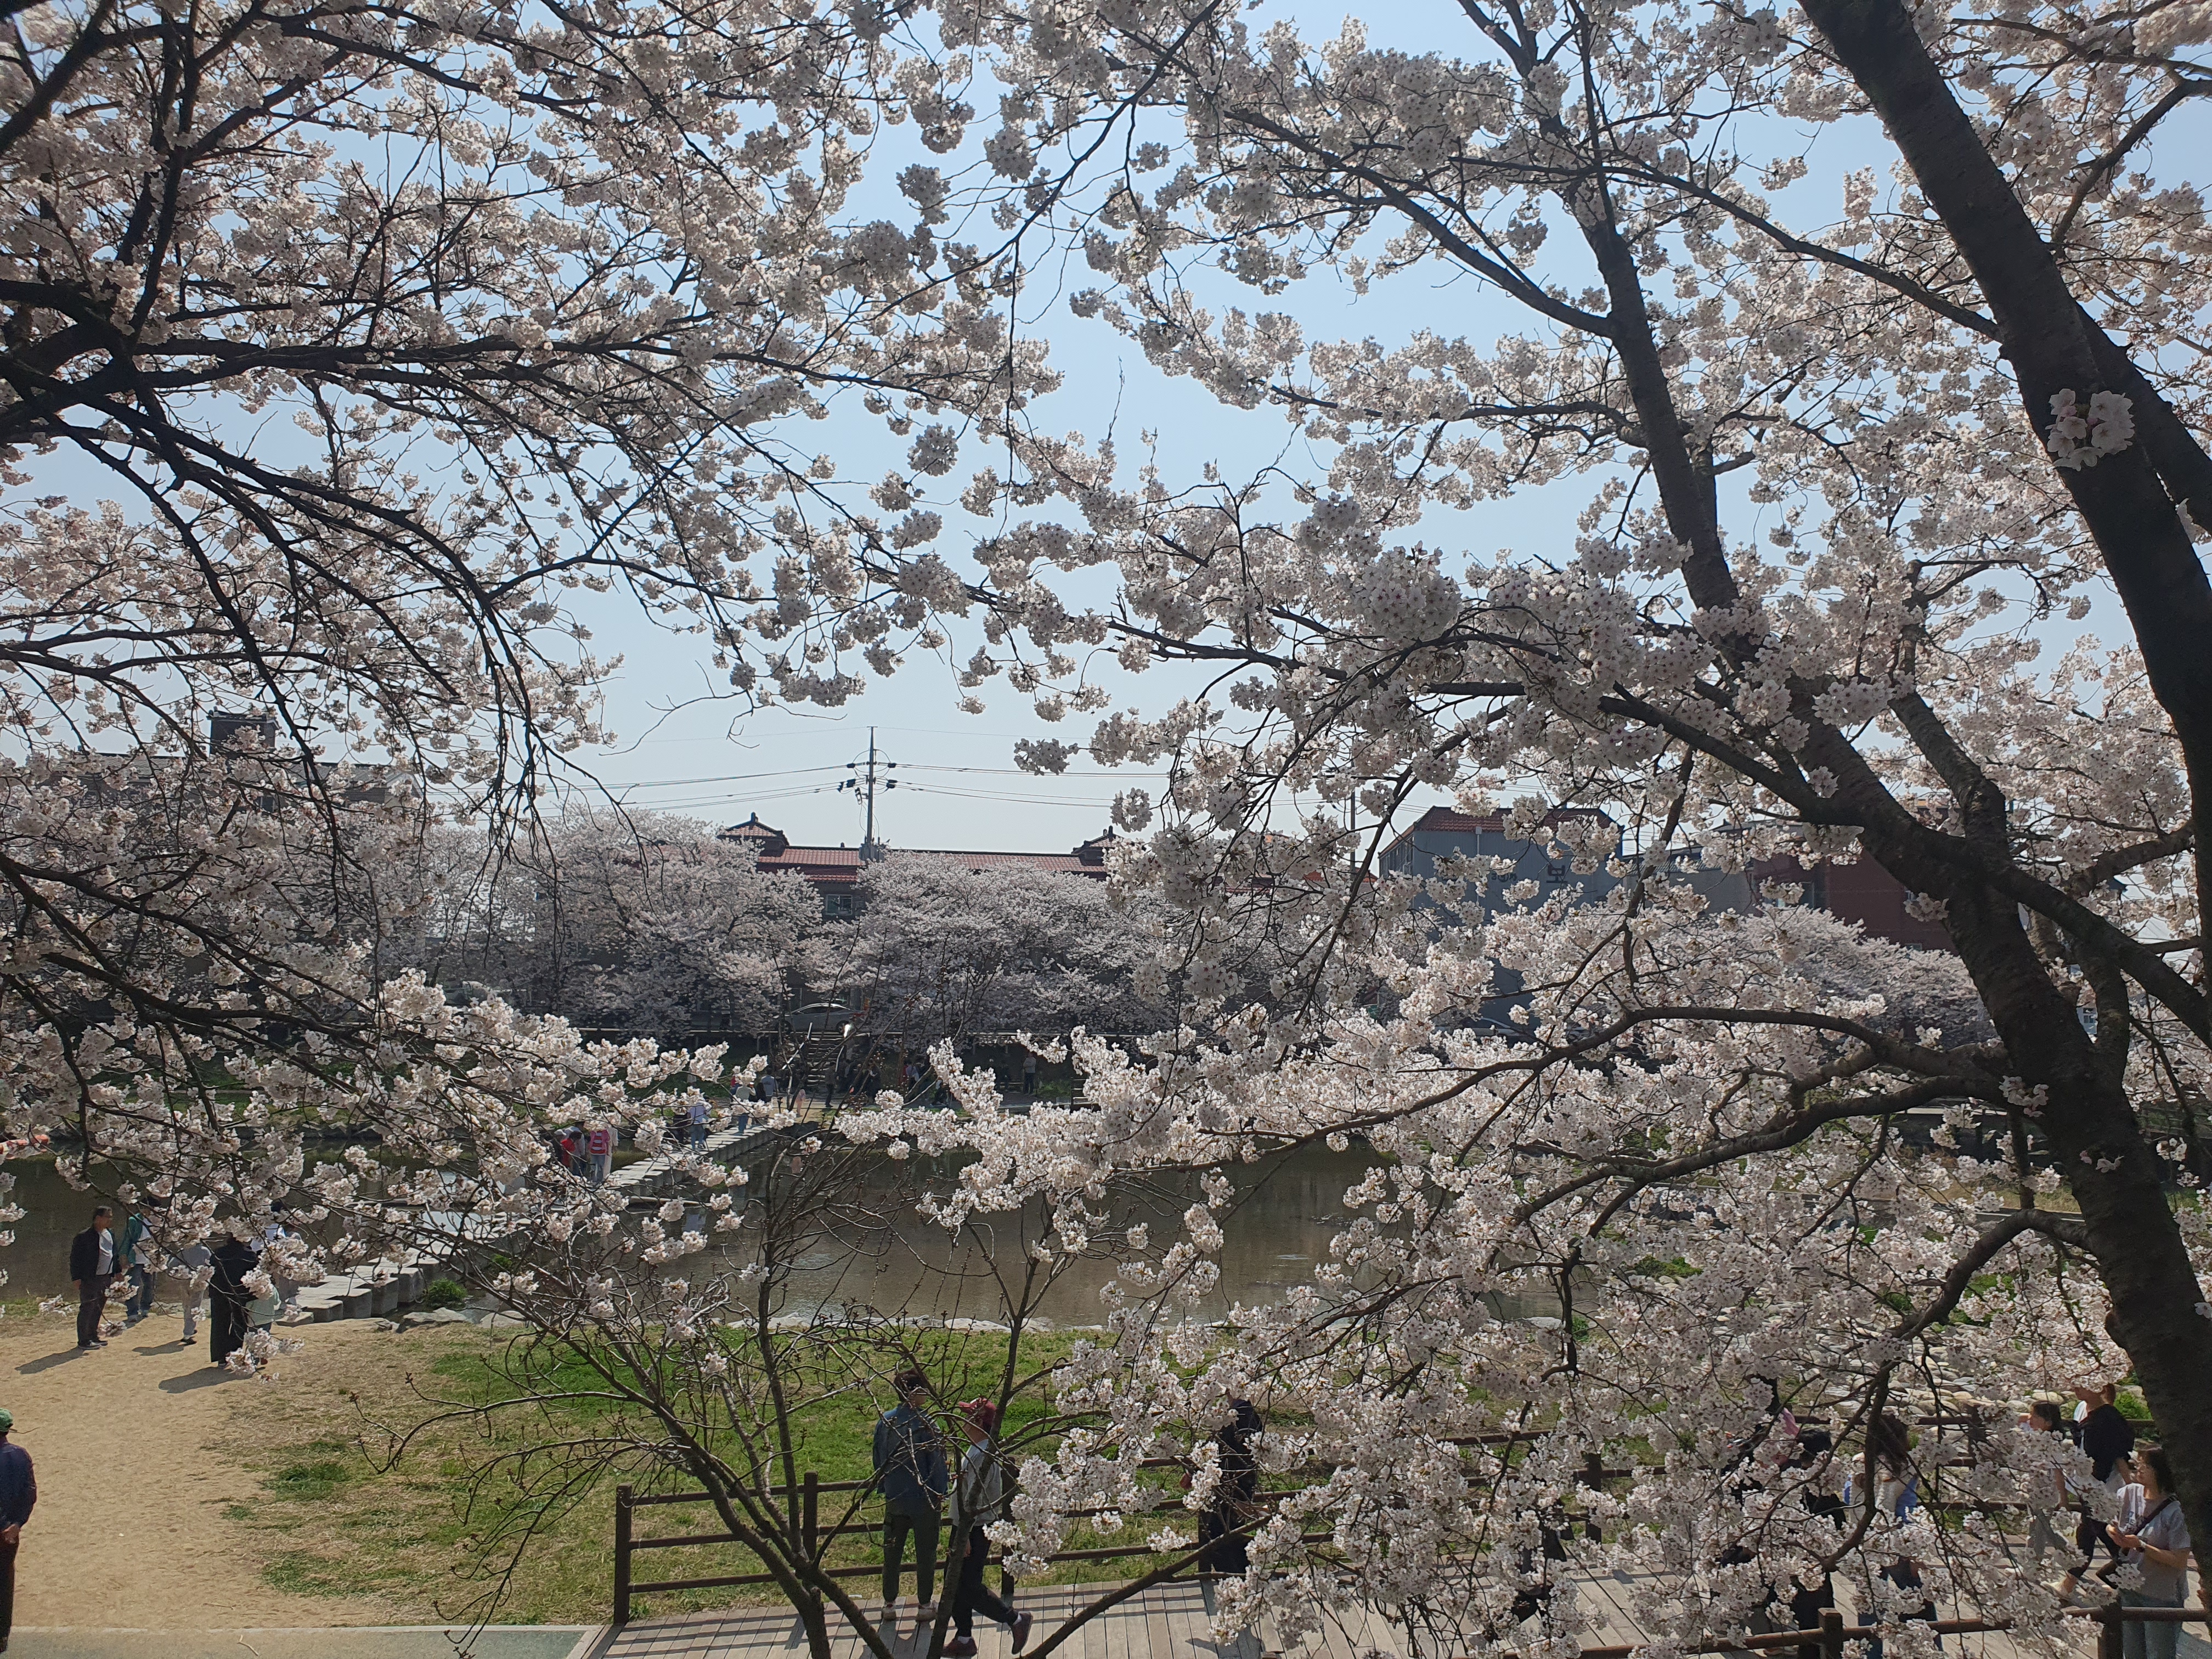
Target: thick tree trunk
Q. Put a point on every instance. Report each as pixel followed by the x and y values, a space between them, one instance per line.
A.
pixel 2129 499
pixel 2128 503
pixel 2114 1173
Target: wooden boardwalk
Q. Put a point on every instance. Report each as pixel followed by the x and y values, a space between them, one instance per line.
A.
pixel 1170 1621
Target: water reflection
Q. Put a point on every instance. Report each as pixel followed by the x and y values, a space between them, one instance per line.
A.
pixel 1286 1210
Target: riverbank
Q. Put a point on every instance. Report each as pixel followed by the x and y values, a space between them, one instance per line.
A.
pixel 145 1497
pixel 210 1500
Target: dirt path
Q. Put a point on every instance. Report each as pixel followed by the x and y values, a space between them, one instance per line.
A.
pixel 133 1479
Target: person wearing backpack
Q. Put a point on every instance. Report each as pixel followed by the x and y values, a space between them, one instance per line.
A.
pixel 2151 1535
pixel 909 1458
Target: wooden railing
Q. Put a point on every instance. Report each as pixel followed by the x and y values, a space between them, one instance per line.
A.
pixel 814 1540
pixel 1834 1633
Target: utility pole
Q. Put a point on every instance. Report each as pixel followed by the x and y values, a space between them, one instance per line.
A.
pixel 865 782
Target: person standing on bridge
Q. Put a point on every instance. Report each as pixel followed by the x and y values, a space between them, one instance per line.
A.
pixel 978 1499
pixel 696 1113
pixel 19 1495
pixel 600 1147
pixel 909 1459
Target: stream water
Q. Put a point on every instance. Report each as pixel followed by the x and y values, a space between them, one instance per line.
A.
pixel 1287 1209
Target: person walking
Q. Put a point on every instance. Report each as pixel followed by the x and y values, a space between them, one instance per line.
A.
pixel 2046 1488
pixel 909 1460
pixel 1225 1530
pixel 19 1495
pixel 2108 1440
pixel 600 1147
pixel 272 1240
pixel 92 1270
pixel 138 1263
pixel 697 1114
pixel 741 1093
pixel 978 1498
pixel 1814 1457
pixel 194 1263
pixel 230 1299
pixel 2151 1535
pixel 1896 1497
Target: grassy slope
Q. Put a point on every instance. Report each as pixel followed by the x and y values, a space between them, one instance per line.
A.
pixel 433 1531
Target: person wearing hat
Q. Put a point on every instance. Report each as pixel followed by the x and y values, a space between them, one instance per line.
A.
pixel 978 1498
pixel 19 1495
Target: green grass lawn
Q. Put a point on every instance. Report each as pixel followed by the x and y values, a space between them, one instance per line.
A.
pixel 475 1508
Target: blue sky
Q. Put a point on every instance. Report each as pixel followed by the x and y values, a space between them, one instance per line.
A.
pixel 679 749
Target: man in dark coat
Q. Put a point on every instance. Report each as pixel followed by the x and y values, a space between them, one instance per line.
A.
pixel 229 1301
pixel 92 1270
pixel 19 1495
pixel 909 1458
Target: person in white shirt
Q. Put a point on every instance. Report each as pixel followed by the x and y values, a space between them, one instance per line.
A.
pixel 288 1290
pixel 2152 1536
pixel 194 1263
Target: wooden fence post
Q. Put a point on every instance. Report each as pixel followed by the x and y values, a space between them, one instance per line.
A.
pixel 624 1498
pixel 1832 1634
pixel 2109 1641
pixel 810 1514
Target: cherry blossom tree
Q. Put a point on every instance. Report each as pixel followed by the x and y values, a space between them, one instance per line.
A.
pixel 634 921
pixel 939 953
pixel 1837 480
pixel 346 352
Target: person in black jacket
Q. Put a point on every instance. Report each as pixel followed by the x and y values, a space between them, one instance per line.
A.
pixel 2108 1439
pixel 92 1270
pixel 1224 1531
pixel 229 1301
pixel 19 1495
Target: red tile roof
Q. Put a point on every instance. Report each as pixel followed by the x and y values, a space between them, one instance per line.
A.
pixel 840 866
